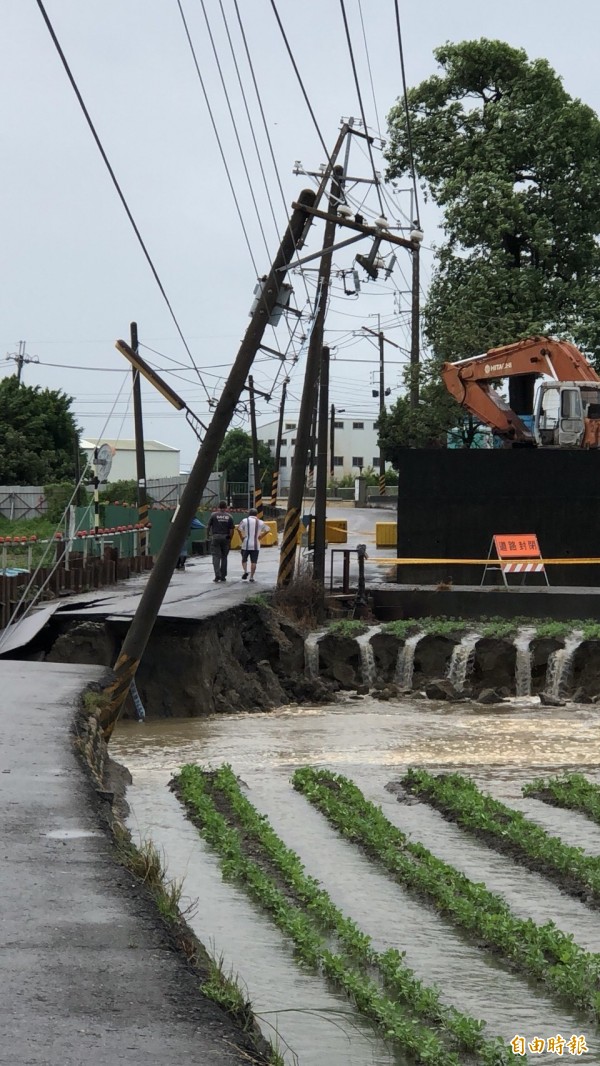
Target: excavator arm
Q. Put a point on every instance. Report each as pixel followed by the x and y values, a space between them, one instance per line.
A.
pixel 469 381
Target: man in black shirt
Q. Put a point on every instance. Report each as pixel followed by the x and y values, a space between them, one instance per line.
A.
pixel 220 529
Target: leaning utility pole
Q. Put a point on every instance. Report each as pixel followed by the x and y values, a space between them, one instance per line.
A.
pixel 141 626
pixel 311 374
pixel 140 454
pixel 275 482
pixel 258 503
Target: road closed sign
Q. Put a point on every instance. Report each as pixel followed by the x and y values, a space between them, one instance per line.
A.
pixel 517 553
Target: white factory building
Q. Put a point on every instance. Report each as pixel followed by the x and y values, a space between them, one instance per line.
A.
pixel 355 444
pixel 162 461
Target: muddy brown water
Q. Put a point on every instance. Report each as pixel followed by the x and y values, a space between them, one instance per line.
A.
pixel 373 742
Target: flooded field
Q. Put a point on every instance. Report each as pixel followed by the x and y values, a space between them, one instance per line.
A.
pixel 373 743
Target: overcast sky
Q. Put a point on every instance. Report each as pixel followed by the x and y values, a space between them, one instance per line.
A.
pixel 73 274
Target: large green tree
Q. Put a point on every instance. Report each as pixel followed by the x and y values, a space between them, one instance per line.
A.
pixel 39 437
pixel 435 423
pixel 513 162
pixel 235 452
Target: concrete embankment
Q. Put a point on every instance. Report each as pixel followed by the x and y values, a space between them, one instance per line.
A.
pixel 88 973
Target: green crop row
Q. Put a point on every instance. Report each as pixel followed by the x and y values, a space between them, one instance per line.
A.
pixel 311 947
pixel 541 951
pixel 459 799
pixel 571 791
pixel 398 980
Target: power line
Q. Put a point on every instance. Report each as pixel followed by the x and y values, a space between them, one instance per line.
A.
pixel 406 111
pixel 362 23
pixel 263 116
pixel 235 128
pixel 248 116
pixel 300 82
pixel 360 101
pixel 216 133
pixel 115 182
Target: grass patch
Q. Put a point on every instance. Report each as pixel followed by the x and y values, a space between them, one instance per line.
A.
pixel 347 627
pixel 259 599
pixel 226 989
pixel 401 627
pixel 499 628
pixel 42 528
pixel 148 865
pixel 554 630
pixel 445 627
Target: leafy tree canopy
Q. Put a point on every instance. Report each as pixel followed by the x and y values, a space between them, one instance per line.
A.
pixel 514 164
pixel 235 452
pixel 38 435
pixel 437 420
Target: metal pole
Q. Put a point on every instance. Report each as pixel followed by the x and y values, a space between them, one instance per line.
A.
pixel 361 554
pixel 321 486
pixel 275 483
pixel 141 626
pixel 313 358
pixel 415 328
pixel 140 455
pixel 382 489
pixel 255 464
pixel 96 492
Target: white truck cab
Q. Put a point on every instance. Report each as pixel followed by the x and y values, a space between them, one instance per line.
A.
pixel 561 411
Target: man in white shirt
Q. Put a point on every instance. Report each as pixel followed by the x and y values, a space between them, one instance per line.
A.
pixel 251 530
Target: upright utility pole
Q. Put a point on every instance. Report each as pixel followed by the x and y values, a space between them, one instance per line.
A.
pixel 311 374
pixel 321 486
pixel 275 482
pixel 381 339
pixel 416 237
pixel 140 454
pixel 258 503
pixel 140 629
pixel 20 358
pixel 332 441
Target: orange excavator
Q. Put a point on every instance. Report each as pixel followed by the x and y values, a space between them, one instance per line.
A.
pixel 565 412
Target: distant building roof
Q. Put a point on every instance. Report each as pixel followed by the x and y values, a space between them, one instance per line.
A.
pixel 128 445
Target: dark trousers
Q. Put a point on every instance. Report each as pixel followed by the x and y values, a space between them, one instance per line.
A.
pixel 220 551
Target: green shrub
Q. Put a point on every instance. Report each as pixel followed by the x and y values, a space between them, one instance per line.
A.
pixel 58 497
